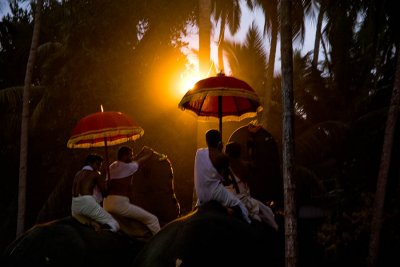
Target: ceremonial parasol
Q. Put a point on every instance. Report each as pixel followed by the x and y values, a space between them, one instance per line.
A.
pixel 224 97
pixel 103 129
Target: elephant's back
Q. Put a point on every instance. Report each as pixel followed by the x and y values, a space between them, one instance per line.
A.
pixel 211 237
pixel 66 242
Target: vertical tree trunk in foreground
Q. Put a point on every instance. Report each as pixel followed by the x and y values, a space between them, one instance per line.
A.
pixel 204 36
pixel 23 161
pixel 289 188
pixel 204 59
pixel 379 202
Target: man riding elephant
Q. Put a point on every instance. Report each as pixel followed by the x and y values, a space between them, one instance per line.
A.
pixel 121 176
pixel 60 240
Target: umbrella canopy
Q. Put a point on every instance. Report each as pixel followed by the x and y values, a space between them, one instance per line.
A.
pixel 223 97
pixel 102 129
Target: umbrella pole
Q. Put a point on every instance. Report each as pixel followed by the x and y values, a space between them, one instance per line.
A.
pixel 106 157
pixel 220 113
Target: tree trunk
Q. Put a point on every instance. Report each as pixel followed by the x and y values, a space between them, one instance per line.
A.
pixel 318 36
pixel 204 36
pixel 204 60
pixel 378 208
pixel 289 188
pixel 23 164
pixel 221 39
pixel 270 76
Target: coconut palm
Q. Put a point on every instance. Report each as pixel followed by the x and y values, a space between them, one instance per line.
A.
pixel 271 27
pixel 204 35
pixel 228 12
pixel 25 121
pixel 288 135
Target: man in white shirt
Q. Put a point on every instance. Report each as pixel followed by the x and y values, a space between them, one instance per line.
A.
pixel 208 178
pixel 119 188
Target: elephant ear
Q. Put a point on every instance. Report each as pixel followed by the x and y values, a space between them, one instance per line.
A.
pixel 153 188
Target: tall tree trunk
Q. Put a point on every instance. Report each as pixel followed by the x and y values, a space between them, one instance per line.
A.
pixel 270 76
pixel 318 36
pixel 204 36
pixel 204 60
pixel 289 188
pixel 378 208
pixel 23 161
pixel 221 39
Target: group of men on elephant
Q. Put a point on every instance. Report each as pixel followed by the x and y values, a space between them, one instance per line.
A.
pixel 137 201
pixel 219 175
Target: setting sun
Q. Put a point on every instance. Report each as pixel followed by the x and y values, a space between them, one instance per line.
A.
pixel 187 81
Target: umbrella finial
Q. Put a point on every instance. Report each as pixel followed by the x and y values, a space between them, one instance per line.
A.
pixel 101 107
pixel 221 73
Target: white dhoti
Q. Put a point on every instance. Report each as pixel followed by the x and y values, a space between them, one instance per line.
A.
pixel 120 205
pixel 208 184
pixel 257 210
pixel 85 208
pixel 267 215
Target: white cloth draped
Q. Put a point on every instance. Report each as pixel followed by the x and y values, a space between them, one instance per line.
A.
pixel 85 208
pixel 208 184
pixel 119 169
pixel 120 205
pixel 257 210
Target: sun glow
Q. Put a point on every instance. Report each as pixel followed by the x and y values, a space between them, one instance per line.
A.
pixel 187 81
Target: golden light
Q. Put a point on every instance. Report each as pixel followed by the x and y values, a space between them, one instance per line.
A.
pixel 187 81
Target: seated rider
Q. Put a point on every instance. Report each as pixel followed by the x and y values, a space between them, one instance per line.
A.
pixel 208 175
pixel 85 207
pixel 239 171
pixel 119 188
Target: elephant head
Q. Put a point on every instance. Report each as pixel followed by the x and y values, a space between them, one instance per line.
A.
pixel 152 189
pixel 261 150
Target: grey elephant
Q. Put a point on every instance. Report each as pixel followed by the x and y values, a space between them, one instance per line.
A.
pixel 210 236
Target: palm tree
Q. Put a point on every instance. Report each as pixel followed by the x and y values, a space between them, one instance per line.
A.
pixel 204 35
pixel 318 32
pixel 25 121
pixel 376 224
pixel 288 134
pixel 247 59
pixel 229 13
pixel 272 26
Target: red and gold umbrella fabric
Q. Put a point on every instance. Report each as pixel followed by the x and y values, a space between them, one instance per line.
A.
pixel 102 129
pixel 224 97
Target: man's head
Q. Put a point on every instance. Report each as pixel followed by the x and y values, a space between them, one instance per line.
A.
pixel 94 160
pixel 213 138
pixel 125 154
pixel 233 150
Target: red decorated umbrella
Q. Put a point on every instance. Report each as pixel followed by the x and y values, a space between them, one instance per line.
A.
pixel 223 97
pixel 103 129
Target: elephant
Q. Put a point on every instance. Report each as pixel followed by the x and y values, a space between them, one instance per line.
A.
pixel 152 188
pixel 66 242
pixel 210 236
pixel 63 241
